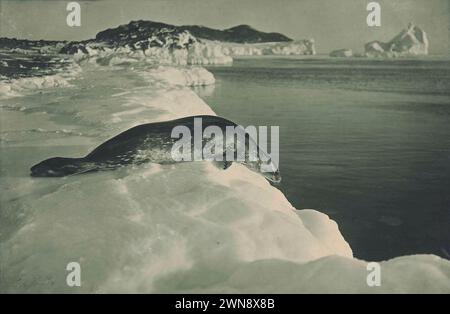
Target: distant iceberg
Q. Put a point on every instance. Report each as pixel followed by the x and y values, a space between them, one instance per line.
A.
pixel 300 47
pixel 342 53
pixel 412 41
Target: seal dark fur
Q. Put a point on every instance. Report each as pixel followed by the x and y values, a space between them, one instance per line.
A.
pixel 150 142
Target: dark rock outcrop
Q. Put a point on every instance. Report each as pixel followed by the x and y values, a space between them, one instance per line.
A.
pixel 138 30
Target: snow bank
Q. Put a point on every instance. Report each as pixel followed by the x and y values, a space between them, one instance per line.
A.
pixel 189 228
pixel 132 228
pixel 161 76
pixel 331 274
pixel 151 105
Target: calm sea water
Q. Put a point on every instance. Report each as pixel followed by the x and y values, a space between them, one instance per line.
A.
pixel 365 141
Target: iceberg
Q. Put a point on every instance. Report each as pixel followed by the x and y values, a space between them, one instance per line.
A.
pixel 299 47
pixel 412 41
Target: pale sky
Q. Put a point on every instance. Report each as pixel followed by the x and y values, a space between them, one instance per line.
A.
pixel 334 24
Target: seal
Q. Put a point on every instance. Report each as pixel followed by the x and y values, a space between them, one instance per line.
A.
pixel 154 142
